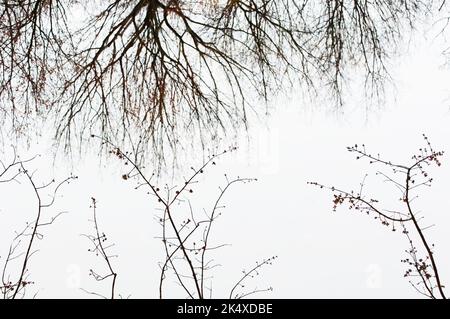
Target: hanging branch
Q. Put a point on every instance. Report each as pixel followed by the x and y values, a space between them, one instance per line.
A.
pixel 153 71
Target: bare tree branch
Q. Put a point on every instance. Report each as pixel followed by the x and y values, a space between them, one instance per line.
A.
pixel 414 176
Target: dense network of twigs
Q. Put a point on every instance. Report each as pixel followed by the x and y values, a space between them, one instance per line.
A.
pixel 148 71
pixel 422 268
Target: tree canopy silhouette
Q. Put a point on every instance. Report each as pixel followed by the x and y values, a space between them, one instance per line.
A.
pixel 150 71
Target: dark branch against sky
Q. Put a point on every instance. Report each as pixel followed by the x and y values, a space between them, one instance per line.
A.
pixel 146 72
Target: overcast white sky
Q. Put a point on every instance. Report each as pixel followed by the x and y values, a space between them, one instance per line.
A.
pixel 321 253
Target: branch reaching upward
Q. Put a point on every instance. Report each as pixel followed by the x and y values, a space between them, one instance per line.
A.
pixel 414 176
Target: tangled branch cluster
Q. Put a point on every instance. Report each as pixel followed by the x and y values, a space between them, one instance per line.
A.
pixel 148 71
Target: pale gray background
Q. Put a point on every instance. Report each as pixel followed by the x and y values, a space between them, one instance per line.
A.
pixel 321 253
